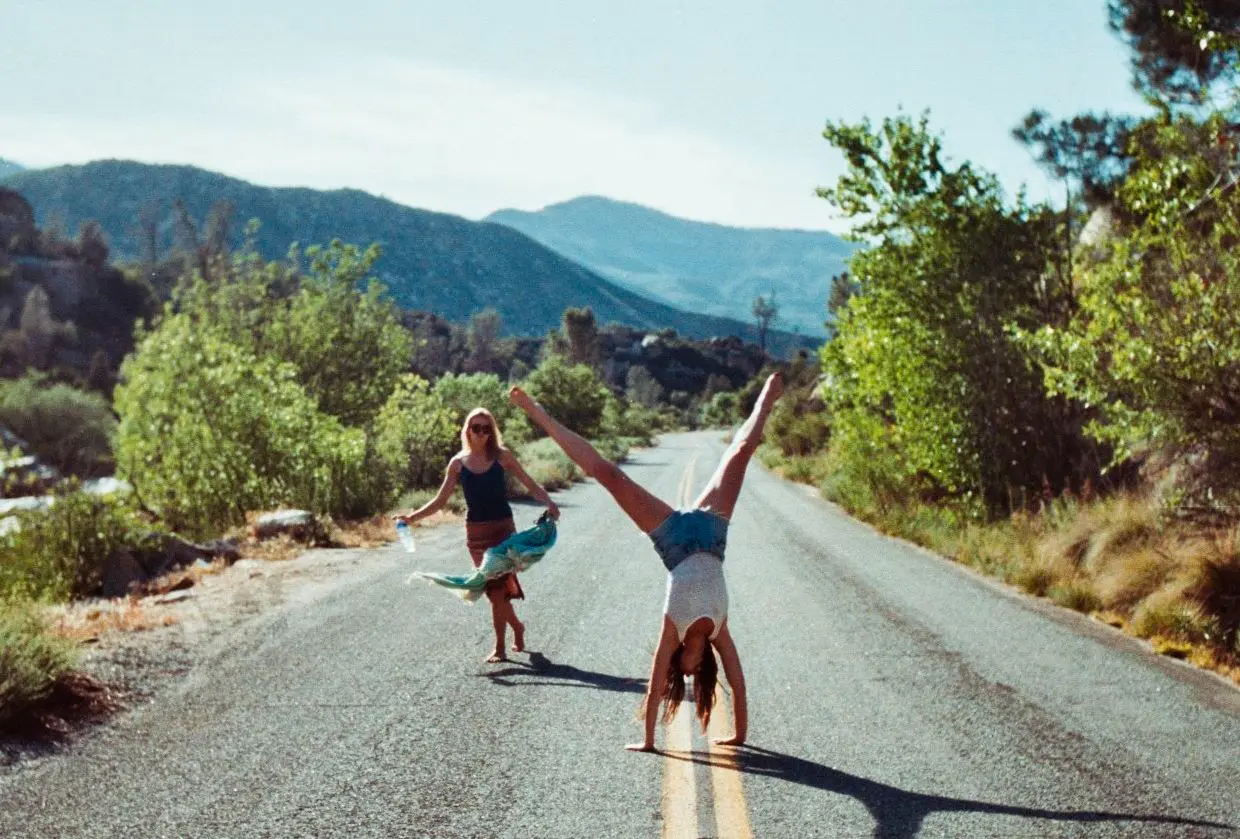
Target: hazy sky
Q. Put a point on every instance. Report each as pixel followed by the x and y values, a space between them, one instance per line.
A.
pixel 708 110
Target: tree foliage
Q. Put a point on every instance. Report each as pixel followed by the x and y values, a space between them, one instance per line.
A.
pixel 1155 343
pixel 572 393
pixel 1180 47
pixel 416 434
pixel 922 364
pixel 209 430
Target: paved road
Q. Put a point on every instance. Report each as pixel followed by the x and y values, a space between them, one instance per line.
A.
pixel 892 695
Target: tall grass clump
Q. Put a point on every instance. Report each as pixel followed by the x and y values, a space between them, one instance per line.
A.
pixel 58 553
pixel 31 659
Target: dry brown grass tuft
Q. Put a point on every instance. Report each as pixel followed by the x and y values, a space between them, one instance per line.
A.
pixel 86 622
pixel 363 533
pixel 1125 580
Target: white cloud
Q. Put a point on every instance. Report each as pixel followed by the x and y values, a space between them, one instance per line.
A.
pixel 444 139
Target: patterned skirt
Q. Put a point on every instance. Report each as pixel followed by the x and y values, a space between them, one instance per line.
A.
pixel 480 535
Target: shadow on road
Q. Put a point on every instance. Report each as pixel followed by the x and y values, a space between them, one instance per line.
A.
pixel 543 671
pixel 898 814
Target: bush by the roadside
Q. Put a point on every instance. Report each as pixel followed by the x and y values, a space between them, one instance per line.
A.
pixel 572 393
pixel 31 658
pixel 66 428
pixel 415 434
pixel 547 464
pixel 461 393
pixel 209 431
pixel 58 553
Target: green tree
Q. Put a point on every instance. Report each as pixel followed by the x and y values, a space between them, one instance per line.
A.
pixel 68 429
pixel 1155 341
pixel 922 365
pixel 1180 47
pixel 765 311
pixel 581 329
pixel 416 434
pixel 461 393
pixel 572 393
pixel 346 342
pixel 209 430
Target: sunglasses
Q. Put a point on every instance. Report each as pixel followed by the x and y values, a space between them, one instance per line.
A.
pixel 480 429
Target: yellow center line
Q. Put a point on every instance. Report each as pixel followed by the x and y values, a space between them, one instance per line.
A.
pixel 731 814
pixel 680 819
pixel 684 492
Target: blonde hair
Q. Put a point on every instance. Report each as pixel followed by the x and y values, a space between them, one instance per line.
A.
pixel 495 440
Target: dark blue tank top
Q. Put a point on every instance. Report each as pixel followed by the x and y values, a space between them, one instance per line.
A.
pixel 486 494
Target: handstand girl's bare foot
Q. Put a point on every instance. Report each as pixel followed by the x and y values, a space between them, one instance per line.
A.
pixel 518 637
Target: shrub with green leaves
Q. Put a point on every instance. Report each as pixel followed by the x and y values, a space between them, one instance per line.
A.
pixel 572 393
pixel 922 353
pixel 66 428
pixel 58 553
pixel 209 431
pixel 1154 341
pixel 461 393
pixel 31 658
pixel 335 326
pixel 416 434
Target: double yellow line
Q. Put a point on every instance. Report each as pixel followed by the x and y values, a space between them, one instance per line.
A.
pixel 680 811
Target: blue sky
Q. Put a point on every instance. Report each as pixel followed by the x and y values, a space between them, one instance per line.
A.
pixel 708 110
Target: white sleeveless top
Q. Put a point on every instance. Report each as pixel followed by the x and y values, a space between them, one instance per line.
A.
pixel 695 589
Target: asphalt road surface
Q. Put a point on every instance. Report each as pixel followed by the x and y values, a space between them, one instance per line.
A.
pixel 892 694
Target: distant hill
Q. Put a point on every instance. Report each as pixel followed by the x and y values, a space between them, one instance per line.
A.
pixel 8 167
pixel 693 265
pixel 431 261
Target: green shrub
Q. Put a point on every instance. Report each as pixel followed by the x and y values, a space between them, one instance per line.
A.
pixel 416 434
pixel 58 553
pixel 31 658
pixel 66 428
pixel 572 394
pixel 547 464
pixel 209 431
pixel 461 393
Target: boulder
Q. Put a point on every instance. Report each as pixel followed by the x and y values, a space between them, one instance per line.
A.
pixel 121 571
pixel 301 525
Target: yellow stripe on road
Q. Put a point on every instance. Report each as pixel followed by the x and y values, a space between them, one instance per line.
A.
pixel 679 789
pixel 684 492
pixel 731 814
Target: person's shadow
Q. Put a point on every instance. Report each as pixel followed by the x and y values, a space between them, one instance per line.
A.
pixel 543 671
pixel 898 814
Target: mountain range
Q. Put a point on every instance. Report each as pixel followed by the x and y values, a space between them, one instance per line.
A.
pixel 8 167
pixel 431 261
pixel 693 265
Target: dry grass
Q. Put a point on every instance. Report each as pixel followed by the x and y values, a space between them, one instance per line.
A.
pixel 1118 559
pixel 85 622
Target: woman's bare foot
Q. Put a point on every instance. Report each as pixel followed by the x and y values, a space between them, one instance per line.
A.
pixel 518 637
pixel 496 657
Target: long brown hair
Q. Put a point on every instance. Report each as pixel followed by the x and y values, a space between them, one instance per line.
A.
pixel 495 441
pixel 705 681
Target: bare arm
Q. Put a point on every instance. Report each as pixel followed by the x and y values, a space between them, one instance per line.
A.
pixel 509 461
pixel 654 688
pixel 445 491
pixel 736 680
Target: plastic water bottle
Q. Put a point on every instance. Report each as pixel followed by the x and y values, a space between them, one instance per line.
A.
pixel 405 534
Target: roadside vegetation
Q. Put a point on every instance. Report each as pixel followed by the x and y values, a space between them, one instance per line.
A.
pixel 1050 395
